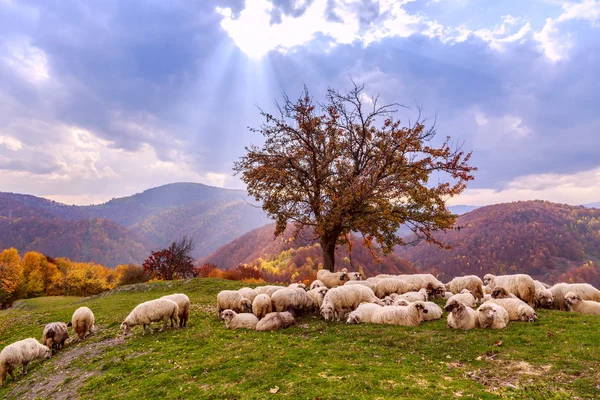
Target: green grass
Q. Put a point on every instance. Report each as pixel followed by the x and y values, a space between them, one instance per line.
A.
pixel 557 357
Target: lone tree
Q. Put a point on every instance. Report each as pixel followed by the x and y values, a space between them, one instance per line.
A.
pixel 348 166
pixel 173 262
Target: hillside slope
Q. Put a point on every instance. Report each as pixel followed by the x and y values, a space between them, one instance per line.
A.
pixel 539 238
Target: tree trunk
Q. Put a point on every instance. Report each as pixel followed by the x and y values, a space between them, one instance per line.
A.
pixel 328 247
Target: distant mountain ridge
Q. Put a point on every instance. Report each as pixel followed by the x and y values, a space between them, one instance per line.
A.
pixel 151 219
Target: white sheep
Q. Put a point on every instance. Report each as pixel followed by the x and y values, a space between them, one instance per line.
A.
pixel 332 279
pixel 577 304
pixel 400 302
pixel 248 293
pixel 405 316
pixel 294 297
pixel 297 285
pixel 368 284
pixel 517 309
pixel 501 293
pixel 151 311
pixel 316 284
pixel 268 289
pixel 386 286
pixel 521 285
pixel 317 295
pixel 21 353
pixel 82 322
pixel 471 282
pixel 275 321
pixel 183 302
pixel 363 313
pixel 434 287
pixel 543 295
pixel 586 291
pixel 54 335
pixel 421 295
pixel 492 316
pixel 337 301
pixel 261 306
pixel 461 316
pixel 234 320
pixel 431 311
pixel 233 300
pixel 465 296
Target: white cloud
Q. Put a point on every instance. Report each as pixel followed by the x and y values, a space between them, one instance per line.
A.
pixel 480 118
pixel 578 188
pixel 26 60
pixel 11 143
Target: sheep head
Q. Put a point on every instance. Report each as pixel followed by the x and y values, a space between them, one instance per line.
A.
pixel 245 305
pixel 125 328
pixel 573 299
pixel 228 315
pixel 454 304
pixel 352 319
pixel 401 302
pixel 327 312
pixel 527 314
pixel 420 306
pixel 344 276
pixel 487 279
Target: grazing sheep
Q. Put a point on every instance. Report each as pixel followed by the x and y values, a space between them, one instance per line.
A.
pixel 471 282
pixel 421 295
pixel 183 302
pixel 275 321
pixel 586 291
pixel 332 279
pixel 521 285
pixel 268 289
pixel 248 293
pixel 297 285
pixel 295 297
pixel 579 305
pixel 431 311
pixel 317 295
pixel 232 300
pixel 262 305
pixel 387 286
pixel 234 320
pixel 501 293
pixel 337 300
pixel 517 309
pixel 363 313
pixel 316 284
pixel 363 294
pixel 464 296
pixel 82 322
pixel 461 316
pixel 368 284
pixel 404 316
pixel 54 335
pixel 21 353
pixel 492 316
pixel 151 311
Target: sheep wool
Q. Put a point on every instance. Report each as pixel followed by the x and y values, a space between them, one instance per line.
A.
pixel 54 335
pixel 363 313
pixel 233 300
pixel 517 309
pixel 521 285
pixel 492 316
pixel 82 322
pixel 368 284
pixel 431 311
pixel 294 297
pixel 465 297
pixel 248 293
pixel 404 316
pixel 461 316
pixel 268 289
pixel 234 320
pixel 577 304
pixel 421 295
pixel 183 302
pixel 586 291
pixel 316 284
pixel 386 286
pixel 21 353
pixel 317 295
pixel 275 321
pixel 151 311
pixel 471 282
pixel 261 306
pixel 332 279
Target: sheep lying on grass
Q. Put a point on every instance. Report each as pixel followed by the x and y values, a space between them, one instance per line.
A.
pixel 262 305
pixel 586 291
pixel 21 353
pixel 234 320
pixel 431 311
pixel 471 282
pixel 386 286
pixel 421 295
pixel 276 320
pixel 183 302
pixel 517 309
pixel 54 335
pixel 492 316
pixel 405 316
pixel 521 285
pixel 82 322
pixel 151 311
pixel 465 296
pixel 233 300
pixel 461 316
pixel 577 304
pixel 332 279
pixel 363 313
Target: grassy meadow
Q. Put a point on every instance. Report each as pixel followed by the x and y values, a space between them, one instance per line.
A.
pixel 558 357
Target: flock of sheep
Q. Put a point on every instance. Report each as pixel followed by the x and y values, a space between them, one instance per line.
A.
pixel 174 307
pixel 403 300
pixel 383 299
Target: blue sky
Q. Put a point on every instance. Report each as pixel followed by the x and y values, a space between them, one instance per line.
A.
pixel 105 99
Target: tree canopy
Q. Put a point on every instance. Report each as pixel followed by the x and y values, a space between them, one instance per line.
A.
pixel 173 262
pixel 348 165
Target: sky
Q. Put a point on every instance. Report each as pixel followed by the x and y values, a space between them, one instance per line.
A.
pixel 105 99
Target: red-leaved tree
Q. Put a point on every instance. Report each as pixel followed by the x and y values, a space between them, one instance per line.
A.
pixel 173 262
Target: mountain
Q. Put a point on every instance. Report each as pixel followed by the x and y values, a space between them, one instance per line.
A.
pixel 141 222
pixel 260 248
pixel 592 205
pixel 543 239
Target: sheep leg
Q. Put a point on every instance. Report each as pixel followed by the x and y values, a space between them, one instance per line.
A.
pixel 10 372
pixel 25 365
pixel 164 325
